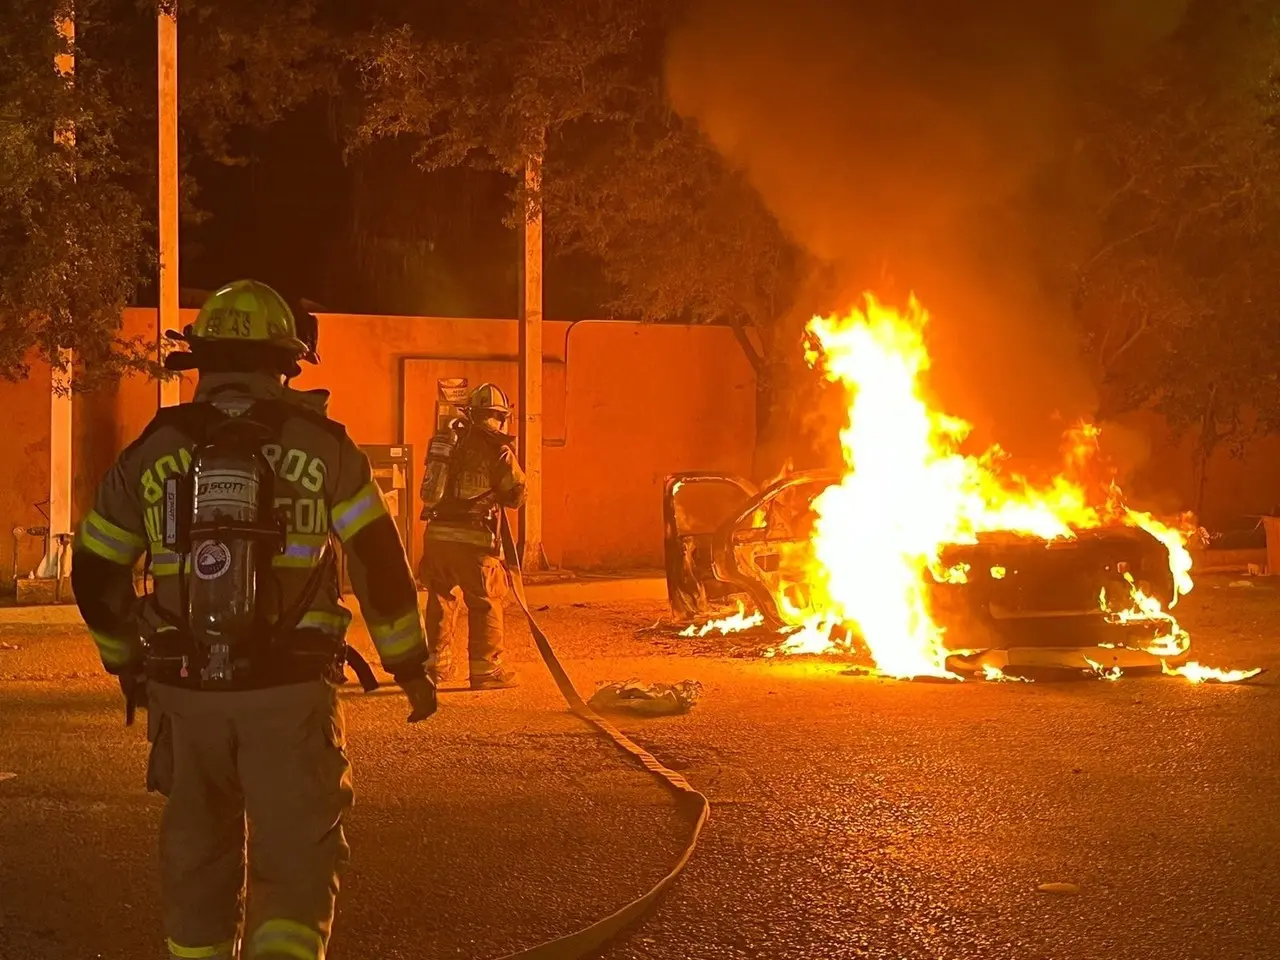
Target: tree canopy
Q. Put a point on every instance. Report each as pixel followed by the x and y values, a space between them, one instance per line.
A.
pixel 1172 264
pixel 575 85
pixel 1180 287
pixel 72 233
pixel 77 213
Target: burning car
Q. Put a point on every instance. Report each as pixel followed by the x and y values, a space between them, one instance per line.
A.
pixel 1039 602
pixel 923 556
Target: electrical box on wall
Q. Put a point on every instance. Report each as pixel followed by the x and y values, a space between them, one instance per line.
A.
pixel 392 468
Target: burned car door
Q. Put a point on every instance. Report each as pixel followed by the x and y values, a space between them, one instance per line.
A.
pixel 694 507
pixel 765 550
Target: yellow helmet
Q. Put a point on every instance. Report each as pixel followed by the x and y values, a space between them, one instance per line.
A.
pixel 488 396
pixel 247 311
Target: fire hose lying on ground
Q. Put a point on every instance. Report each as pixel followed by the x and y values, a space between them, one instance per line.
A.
pixel 690 801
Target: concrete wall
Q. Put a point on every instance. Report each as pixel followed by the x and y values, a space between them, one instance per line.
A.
pixel 624 405
pixel 24 468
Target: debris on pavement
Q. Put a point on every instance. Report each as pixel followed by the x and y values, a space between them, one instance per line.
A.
pixel 656 699
pixel 1241 583
pixel 5 775
pixel 1059 888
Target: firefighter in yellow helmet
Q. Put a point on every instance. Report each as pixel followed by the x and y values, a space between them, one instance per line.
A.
pixel 236 651
pixel 471 475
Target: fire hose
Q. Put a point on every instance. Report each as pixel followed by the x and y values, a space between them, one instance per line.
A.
pixel 690 801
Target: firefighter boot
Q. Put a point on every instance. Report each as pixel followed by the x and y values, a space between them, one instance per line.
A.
pixel 440 666
pixel 494 676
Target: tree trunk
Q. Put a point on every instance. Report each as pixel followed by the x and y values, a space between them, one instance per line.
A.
pixel 1204 449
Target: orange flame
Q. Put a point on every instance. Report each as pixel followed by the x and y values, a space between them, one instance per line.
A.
pixel 1199 673
pixel 908 492
pixel 735 623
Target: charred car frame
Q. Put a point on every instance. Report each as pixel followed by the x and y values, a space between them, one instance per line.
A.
pixel 726 539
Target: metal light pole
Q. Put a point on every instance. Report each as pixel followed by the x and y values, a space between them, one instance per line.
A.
pixel 529 403
pixel 167 113
pixel 56 562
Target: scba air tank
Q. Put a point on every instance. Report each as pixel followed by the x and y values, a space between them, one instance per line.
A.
pixel 229 480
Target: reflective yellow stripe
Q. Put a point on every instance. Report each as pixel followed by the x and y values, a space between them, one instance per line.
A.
pixel 164 563
pixel 322 620
pixel 221 951
pixel 301 550
pixel 351 516
pixel 113 651
pixel 287 938
pixel 398 638
pixel 446 533
pixel 100 536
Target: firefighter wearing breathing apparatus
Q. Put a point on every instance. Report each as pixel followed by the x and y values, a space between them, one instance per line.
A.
pixel 471 476
pixel 236 650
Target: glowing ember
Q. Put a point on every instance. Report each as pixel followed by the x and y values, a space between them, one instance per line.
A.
pixel 908 492
pixel 1199 673
pixel 735 623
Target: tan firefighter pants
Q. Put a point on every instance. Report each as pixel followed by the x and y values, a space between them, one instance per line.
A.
pixel 448 569
pixel 275 756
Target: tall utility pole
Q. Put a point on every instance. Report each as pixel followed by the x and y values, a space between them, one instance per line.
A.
pixel 55 564
pixel 529 403
pixel 167 62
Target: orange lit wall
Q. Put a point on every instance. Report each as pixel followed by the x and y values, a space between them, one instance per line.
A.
pixel 24 468
pixel 624 405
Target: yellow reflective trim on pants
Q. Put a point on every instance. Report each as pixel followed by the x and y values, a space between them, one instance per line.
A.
pixel 100 536
pixel 114 651
pixel 351 516
pixel 286 938
pixel 221 951
pixel 399 637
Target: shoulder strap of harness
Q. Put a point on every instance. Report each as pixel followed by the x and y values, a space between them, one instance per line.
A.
pixel 273 414
pixel 191 419
pixel 194 421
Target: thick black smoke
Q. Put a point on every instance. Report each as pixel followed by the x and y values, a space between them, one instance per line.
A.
pixel 935 147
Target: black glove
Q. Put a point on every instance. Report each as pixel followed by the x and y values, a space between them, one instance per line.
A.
pixel 133 684
pixel 419 689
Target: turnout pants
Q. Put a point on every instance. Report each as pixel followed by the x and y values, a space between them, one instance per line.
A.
pixel 449 569
pixel 276 758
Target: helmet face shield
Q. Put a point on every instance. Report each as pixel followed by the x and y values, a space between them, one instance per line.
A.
pixel 495 420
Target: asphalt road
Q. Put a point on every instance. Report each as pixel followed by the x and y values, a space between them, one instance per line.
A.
pixel 852 817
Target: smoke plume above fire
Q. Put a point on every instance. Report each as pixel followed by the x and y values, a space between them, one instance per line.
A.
pixel 936 148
